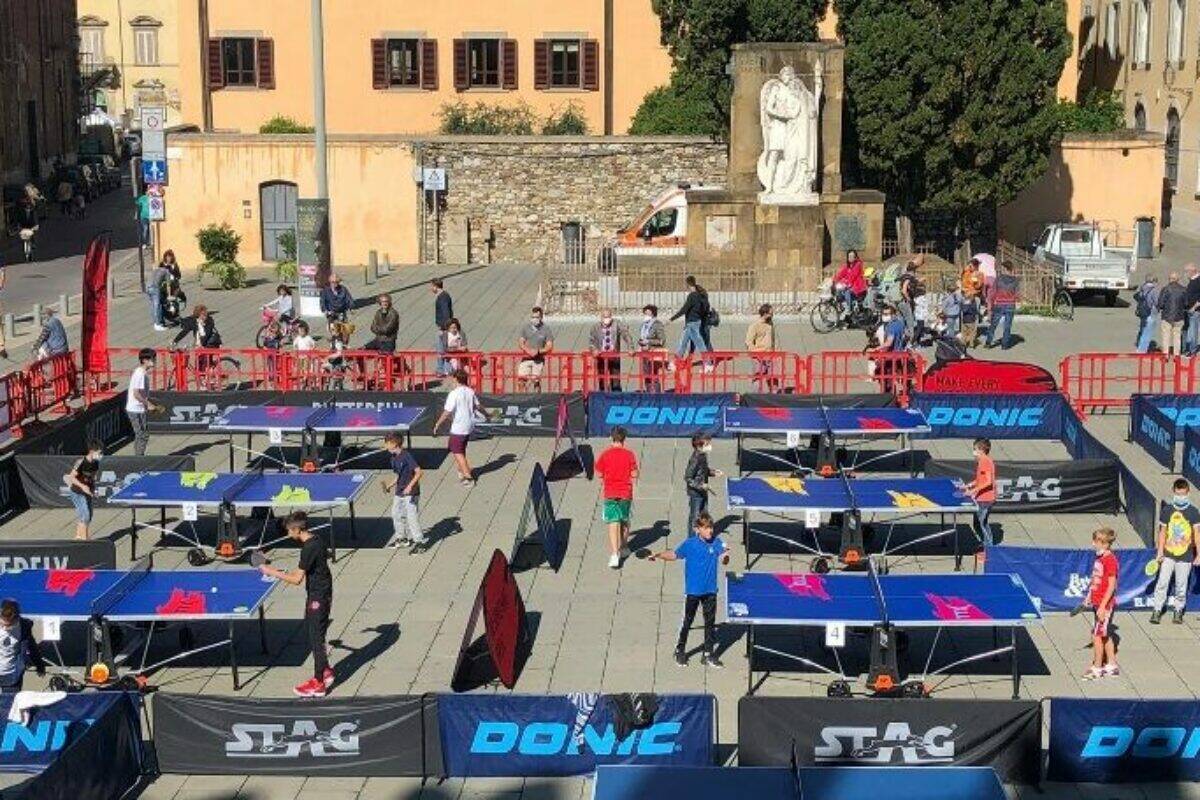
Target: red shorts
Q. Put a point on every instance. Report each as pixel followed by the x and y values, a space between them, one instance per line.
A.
pixel 1100 626
pixel 458 443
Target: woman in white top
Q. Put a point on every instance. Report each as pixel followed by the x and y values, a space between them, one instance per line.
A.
pixel 461 405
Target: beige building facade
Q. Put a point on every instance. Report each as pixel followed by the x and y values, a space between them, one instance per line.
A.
pixel 390 68
pixel 139 39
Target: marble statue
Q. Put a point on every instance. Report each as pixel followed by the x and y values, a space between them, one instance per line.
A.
pixel 788 113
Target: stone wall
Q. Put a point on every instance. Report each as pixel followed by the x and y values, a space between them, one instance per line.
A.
pixel 518 192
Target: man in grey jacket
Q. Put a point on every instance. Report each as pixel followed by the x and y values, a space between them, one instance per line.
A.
pixel 1172 306
pixel 606 341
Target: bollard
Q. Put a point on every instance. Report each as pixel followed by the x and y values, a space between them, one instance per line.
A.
pixel 37 314
pixel 10 326
pixel 367 274
pixel 373 261
pixel 387 264
pixel 112 286
pixel 62 305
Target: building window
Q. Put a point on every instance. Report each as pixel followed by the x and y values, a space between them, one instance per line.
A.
pixel 91 45
pixel 1172 148
pixel 1139 118
pixel 145 45
pixel 237 60
pixel 403 62
pixel 1141 32
pixel 1112 32
pixel 1175 30
pixel 484 55
pixel 564 63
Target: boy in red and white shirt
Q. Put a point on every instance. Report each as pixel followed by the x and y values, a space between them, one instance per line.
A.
pixel 1102 598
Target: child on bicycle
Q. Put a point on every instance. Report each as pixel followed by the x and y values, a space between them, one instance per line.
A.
pixel 281 307
pixel 273 336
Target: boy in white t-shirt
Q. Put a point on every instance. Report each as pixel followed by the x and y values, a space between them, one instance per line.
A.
pixel 137 400
pixel 461 405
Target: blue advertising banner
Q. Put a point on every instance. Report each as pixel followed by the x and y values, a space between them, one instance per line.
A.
pixel 1182 409
pixel 657 415
pixel 995 416
pixel 570 734
pixel 1191 456
pixel 1058 578
pixel 1153 430
pixel 1122 741
pixel 31 747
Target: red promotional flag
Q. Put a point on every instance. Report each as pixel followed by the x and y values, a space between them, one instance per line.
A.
pixel 94 339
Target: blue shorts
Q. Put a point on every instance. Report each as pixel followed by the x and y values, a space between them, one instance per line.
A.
pixel 83 507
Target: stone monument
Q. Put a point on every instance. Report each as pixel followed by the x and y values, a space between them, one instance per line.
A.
pixel 783 214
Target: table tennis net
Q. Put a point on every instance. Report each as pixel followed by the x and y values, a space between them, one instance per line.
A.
pixel 244 482
pixel 107 600
pixel 319 416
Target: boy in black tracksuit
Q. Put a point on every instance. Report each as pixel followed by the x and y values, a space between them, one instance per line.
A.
pixel 695 478
pixel 313 572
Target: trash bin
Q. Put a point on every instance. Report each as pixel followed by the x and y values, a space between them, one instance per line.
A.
pixel 573 244
pixel 1145 237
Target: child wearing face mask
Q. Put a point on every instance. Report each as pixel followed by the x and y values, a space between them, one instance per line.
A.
pixel 695 478
pixel 983 491
pixel 1178 525
pixel 82 482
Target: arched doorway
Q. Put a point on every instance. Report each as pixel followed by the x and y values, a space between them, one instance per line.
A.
pixel 277 209
pixel 1139 118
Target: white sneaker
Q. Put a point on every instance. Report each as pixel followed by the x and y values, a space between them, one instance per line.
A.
pixel 160 328
pixel 614 561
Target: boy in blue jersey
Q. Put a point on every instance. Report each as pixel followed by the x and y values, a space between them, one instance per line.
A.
pixel 700 554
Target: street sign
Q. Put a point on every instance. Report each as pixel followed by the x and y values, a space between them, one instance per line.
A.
pixel 154 145
pixel 158 208
pixel 154 118
pixel 155 190
pixel 154 171
pixel 434 179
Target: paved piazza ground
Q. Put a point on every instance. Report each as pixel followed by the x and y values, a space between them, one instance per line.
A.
pixel 399 617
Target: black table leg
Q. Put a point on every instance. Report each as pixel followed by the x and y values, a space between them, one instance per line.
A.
pixel 749 659
pixel 262 628
pixel 1016 664
pixel 133 534
pixel 233 659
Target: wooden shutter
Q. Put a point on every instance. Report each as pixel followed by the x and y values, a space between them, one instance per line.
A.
pixel 589 64
pixel 266 63
pixel 216 70
pixel 462 78
pixel 541 63
pixel 508 63
pixel 429 65
pixel 379 64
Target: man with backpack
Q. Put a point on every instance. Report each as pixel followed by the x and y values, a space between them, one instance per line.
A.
pixel 1145 305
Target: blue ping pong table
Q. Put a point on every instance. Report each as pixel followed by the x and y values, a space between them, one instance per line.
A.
pixel 828 425
pixel 103 598
pixel 227 493
pixel 308 421
pixel 880 603
pixel 639 782
pixel 895 500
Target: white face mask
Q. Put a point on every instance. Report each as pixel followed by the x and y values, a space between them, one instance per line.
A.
pixel 535 322
pixel 706 448
pixel 647 317
pixel 606 322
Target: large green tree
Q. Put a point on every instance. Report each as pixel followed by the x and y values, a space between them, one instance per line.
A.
pixel 951 103
pixel 699 35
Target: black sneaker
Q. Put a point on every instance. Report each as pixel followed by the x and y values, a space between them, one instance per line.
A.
pixel 708 660
pixel 1177 617
pixel 681 658
pixel 1155 617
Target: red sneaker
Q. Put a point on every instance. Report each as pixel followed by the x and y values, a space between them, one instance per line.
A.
pixel 310 688
pixel 327 678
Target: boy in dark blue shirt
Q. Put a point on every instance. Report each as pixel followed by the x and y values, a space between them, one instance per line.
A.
pixel 700 554
pixel 406 487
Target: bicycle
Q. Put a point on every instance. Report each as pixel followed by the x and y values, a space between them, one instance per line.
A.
pixel 830 313
pixel 287 329
pixel 1062 306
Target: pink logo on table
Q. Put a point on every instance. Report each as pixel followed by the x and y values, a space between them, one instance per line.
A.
pixel 804 585
pixel 282 412
pixel 955 608
pixel 875 424
pixel 360 421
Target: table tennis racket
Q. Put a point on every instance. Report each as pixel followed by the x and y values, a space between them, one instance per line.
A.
pixel 1152 567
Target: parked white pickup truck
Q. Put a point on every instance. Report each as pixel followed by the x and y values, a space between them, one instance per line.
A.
pixel 1085 261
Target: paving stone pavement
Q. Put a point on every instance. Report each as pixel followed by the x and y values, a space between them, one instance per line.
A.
pixel 597 629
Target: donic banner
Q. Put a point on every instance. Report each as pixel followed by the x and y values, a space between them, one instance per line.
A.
pixel 1122 741
pixel 569 734
pixel 657 415
pixel 994 416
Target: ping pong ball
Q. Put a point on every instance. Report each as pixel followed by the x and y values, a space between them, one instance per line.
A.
pixel 214 590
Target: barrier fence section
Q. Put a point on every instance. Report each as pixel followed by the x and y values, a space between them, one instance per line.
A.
pixel 1109 380
pixel 43 386
pixel 658 371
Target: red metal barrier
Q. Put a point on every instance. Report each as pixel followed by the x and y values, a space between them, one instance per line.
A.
pixel 515 372
pixel 43 386
pixel 1108 380
pixel 852 372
